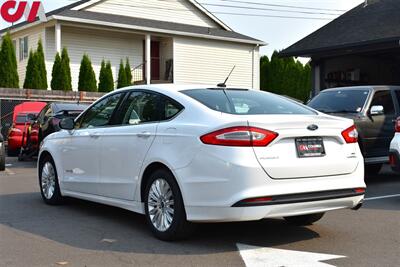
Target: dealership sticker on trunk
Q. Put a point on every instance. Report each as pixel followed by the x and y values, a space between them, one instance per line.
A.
pixel 310 147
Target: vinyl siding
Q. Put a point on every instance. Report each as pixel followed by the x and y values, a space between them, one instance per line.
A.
pixel 209 62
pixel 181 11
pixel 99 45
pixel 34 34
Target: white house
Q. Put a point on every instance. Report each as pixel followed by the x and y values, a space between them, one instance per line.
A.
pixel 165 41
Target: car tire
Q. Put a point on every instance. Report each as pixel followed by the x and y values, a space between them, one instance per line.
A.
pixel 48 182
pixel 164 225
pixel 12 153
pixel 373 169
pixel 2 159
pixel 304 220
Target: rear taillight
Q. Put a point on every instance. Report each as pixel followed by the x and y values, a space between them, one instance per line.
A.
pixel 392 160
pixel 397 125
pixel 240 136
pixel 350 135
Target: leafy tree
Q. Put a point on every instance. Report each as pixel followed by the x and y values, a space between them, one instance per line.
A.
pixel 106 80
pixel 87 77
pixel 128 72
pixel 122 80
pixel 41 66
pixel 8 64
pixel 65 71
pixel 56 83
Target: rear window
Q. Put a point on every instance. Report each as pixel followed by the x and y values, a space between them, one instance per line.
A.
pixel 340 101
pixel 246 102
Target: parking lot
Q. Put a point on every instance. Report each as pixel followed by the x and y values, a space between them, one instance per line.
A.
pixel 80 233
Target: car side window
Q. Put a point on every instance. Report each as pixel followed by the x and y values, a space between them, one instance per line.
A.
pixel 101 113
pixel 398 96
pixel 42 114
pixel 384 98
pixel 141 107
pixel 169 108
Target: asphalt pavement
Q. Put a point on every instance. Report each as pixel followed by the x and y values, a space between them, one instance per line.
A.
pixel 81 233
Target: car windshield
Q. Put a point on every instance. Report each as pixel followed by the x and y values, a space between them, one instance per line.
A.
pixel 246 102
pixel 340 101
pixel 21 119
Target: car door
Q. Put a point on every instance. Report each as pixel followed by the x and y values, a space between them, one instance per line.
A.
pixel 125 145
pixel 81 149
pixel 379 129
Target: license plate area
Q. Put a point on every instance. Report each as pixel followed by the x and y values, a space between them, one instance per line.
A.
pixel 308 147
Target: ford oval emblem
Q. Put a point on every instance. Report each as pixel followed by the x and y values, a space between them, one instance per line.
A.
pixel 312 127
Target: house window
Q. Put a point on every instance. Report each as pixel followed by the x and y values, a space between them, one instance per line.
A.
pixel 23 48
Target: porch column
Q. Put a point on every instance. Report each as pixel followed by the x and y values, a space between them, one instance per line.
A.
pixel 148 58
pixel 58 37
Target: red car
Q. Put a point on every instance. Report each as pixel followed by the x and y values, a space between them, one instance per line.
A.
pixel 21 123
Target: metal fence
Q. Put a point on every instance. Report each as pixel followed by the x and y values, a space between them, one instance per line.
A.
pixel 9 98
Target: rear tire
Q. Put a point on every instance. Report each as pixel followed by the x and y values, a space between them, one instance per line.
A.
pixel 2 159
pixel 373 169
pixel 164 207
pixel 304 220
pixel 48 182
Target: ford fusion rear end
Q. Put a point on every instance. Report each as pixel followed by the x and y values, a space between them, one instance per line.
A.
pixel 272 165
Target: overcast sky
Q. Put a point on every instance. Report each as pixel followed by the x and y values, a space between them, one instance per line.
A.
pixel 279 33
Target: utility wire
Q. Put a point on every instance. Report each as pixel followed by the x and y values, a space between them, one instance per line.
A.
pixel 271 9
pixel 269 16
pixel 279 5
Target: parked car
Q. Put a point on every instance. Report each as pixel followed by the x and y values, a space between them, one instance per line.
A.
pixel 394 155
pixel 20 125
pixel 373 109
pixel 182 154
pixel 2 154
pixel 47 122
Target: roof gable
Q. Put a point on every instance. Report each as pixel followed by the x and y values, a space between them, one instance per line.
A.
pixel 185 11
pixel 373 23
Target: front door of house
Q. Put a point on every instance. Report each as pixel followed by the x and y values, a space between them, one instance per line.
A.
pixel 155 60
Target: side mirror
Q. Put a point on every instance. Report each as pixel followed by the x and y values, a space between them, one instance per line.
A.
pixel 377 110
pixel 67 124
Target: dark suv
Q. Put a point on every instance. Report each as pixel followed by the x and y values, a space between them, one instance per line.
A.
pixel 374 110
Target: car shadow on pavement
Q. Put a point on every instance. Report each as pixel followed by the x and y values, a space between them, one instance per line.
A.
pixel 94 226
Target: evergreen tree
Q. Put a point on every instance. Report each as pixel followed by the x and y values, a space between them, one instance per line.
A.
pixel 65 71
pixel 87 77
pixel 32 74
pixel 56 83
pixel 122 82
pixel 41 66
pixel 8 64
pixel 106 80
pixel 128 72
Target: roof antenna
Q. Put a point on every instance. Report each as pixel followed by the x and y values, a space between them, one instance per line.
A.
pixel 227 78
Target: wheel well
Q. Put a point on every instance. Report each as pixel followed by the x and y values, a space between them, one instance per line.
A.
pixel 146 175
pixel 43 155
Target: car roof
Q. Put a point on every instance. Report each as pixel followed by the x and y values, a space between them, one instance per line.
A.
pixel 69 106
pixel 178 87
pixel 363 87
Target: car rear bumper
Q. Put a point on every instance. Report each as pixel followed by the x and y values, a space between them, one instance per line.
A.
pixel 232 214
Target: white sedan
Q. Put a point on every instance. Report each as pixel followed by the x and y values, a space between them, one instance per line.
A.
pixel 184 154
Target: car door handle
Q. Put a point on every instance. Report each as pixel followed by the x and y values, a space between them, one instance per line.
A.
pixel 94 135
pixel 144 135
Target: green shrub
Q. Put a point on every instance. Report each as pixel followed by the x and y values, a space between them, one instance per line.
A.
pixel 66 81
pixel 128 72
pixel 56 83
pixel 122 79
pixel 8 67
pixel 106 80
pixel 87 77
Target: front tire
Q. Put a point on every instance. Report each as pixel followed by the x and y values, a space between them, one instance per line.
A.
pixel 48 182
pixel 164 208
pixel 304 220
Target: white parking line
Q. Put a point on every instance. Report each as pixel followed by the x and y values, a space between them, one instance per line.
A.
pixel 381 197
